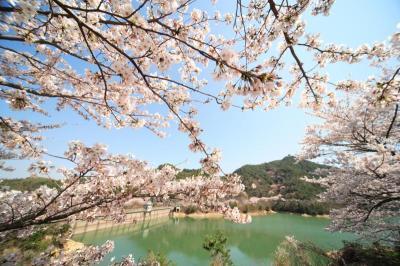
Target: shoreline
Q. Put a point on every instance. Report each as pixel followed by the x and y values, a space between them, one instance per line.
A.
pixel 216 215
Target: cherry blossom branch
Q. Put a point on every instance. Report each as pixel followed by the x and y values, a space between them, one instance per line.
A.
pixel 393 121
pixel 292 51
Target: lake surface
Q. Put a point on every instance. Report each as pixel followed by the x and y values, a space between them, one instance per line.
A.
pixel 250 244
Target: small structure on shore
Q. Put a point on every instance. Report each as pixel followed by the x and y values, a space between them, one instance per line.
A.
pixel 148 206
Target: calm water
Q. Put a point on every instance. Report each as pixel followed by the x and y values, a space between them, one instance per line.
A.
pixel 250 244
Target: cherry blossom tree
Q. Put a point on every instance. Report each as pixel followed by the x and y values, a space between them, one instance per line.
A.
pixel 130 52
pixel 360 136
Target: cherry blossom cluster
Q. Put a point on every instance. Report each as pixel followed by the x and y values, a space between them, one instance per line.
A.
pixel 22 136
pixel 267 26
pixel 209 193
pixel 234 214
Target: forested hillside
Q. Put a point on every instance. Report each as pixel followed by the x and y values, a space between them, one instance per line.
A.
pixel 28 184
pixel 281 177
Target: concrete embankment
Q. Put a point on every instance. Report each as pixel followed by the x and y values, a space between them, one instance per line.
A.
pixel 135 220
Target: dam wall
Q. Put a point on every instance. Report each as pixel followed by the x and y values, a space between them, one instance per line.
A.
pixel 136 219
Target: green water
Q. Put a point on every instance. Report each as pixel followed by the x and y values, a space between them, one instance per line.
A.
pixel 250 244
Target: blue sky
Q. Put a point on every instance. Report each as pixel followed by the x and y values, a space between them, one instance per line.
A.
pixel 244 137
